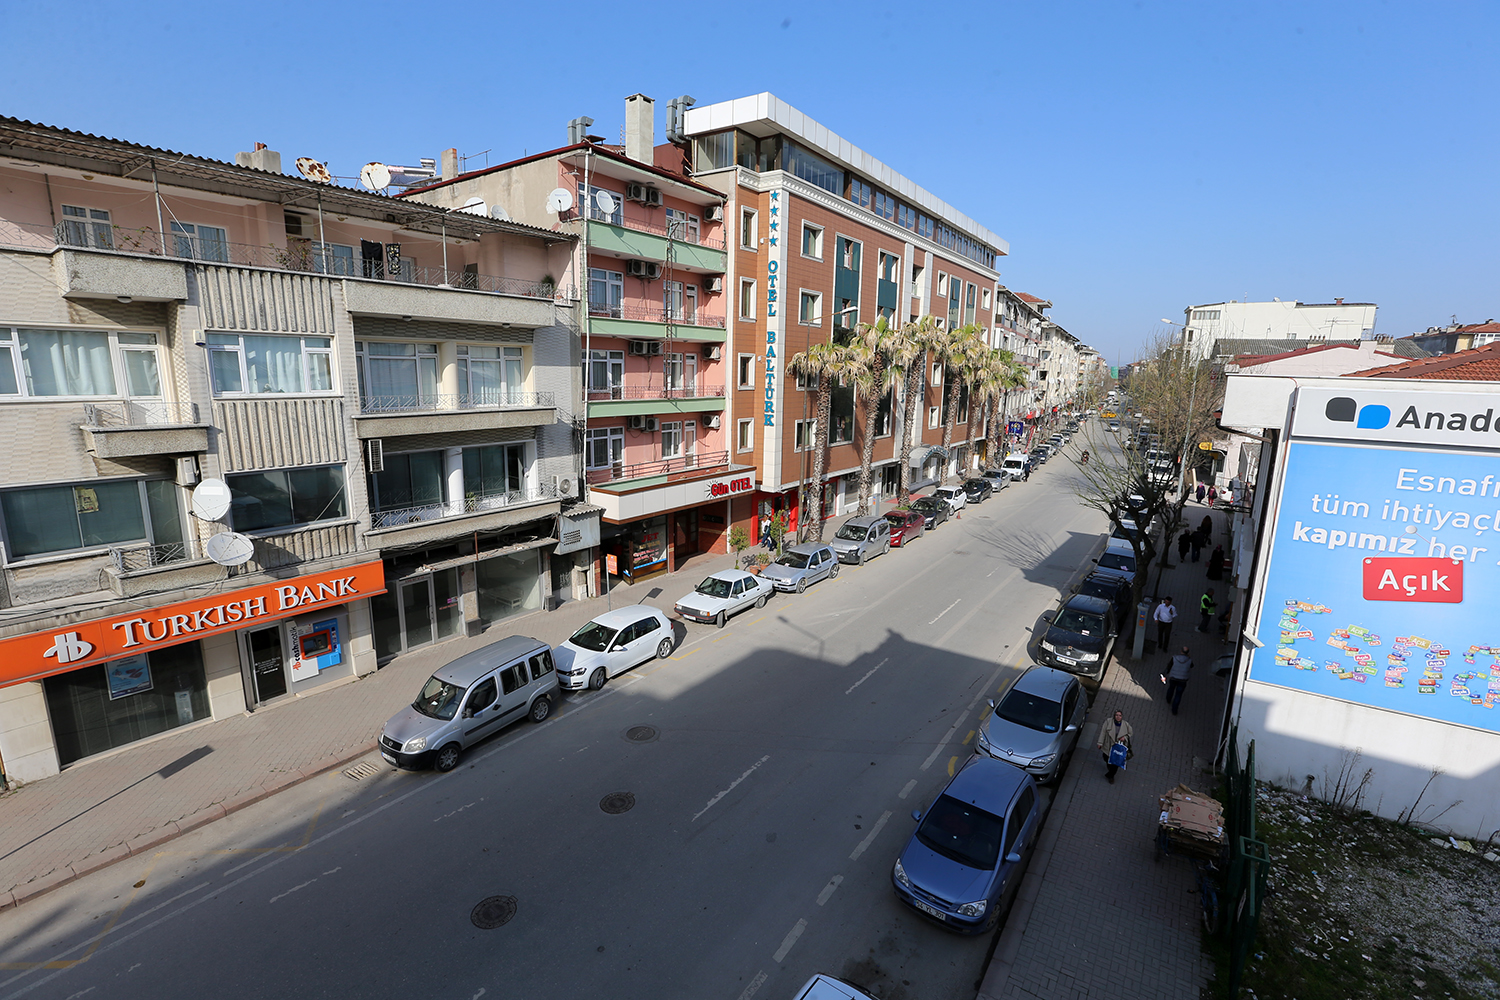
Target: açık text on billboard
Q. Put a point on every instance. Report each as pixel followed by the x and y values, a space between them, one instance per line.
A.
pixel 1383 579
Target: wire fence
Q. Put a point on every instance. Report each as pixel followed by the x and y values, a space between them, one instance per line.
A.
pixel 1249 861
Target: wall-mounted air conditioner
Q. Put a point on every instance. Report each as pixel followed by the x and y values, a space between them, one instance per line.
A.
pixel 637 268
pixel 712 352
pixel 653 347
pixel 635 192
pixel 641 348
pixel 653 198
pixel 713 284
pixel 711 421
pixel 715 214
pixel 653 271
pixel 650 423
pixel 187 471
pixel 635 423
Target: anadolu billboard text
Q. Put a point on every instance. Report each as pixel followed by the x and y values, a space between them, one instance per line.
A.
pixel 1383 583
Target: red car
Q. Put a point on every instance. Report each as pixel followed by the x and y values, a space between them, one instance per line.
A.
pixel 905 525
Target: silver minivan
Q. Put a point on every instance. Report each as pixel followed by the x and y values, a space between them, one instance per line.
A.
pixel 472 698
pixel 861 538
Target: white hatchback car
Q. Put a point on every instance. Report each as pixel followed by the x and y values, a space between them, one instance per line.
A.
pixel 953 496
pixel 613 643
pixel 723 594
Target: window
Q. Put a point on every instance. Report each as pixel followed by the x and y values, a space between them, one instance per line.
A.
pixel 925 226
pixel 200 242
pixel 87 227
pixel 671 439
pixel 681 372
pixel 906 216
pixel 513 678
pixel 50 519
pixel 812 241
pixel 885 205
pixel 812 169
pixel 606 292
pixel 971 293
pixel 937 373
pixel 683 227
pixel 251 364
pixel 490 375
pixel 410 480
pixel 714 152
pixel 859 192
pixel 680 301
pixel 746 371
pixel 848 254
pixel 280 497
pixel 481 696
pixel 541 665
pixel 744 438
pixel 749 228
pixel 605 447
pixel 918 273
pixel 606 371
pixel 402 375
pixel 747 298
pixel 1205 314
pixel 942 285
pixel 78 363
pixel 616 216
pixel 804 434
pixel 810 312
pixel 986 298
pixel 933 416
pixel 1019 814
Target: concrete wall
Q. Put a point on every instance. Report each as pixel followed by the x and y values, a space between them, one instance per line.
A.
pixel 26 738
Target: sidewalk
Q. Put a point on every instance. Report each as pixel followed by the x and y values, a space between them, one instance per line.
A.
pixel 1097 914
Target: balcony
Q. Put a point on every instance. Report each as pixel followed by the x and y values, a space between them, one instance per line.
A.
pixel 655 395
pixel 628 492
pixel 649 321
pixel 646 241
pixel 435 521
pixel 666 470
pixel 445 413
pixel 131 428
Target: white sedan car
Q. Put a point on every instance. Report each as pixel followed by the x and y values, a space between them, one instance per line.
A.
pixel 723 594
pixel 953 496
pixel 613 643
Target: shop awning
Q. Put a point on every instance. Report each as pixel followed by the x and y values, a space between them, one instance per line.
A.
pixel 480 556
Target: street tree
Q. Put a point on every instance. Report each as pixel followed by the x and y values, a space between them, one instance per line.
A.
pixel 958 352
pixel 823 365
pixel 872 381
pixel 908 362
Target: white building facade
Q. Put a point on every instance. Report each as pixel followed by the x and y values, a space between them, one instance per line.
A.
pixel 1204 325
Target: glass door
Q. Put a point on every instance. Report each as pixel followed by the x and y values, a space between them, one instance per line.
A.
pixel 448 603
pixel 416 612
pixel 267 662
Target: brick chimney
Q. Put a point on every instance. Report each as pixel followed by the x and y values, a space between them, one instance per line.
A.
pixel 640 128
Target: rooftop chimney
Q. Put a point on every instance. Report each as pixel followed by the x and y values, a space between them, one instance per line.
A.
pixel 450 164
pixel 260 158
pixel 1339 301
pixel 640 128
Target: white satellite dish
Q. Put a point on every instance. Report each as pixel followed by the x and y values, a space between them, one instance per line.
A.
pixel 560 200
pixel 605 201
pixel 313 170
pixel 475 206
pixel 211 499
pixel 497 212
pixel 375 176
pixel 229 548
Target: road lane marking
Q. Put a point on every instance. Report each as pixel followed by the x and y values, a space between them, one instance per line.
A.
pixel 828 889
pixel 909 786
pixel 944 741
pixel 293 889
pixel 683 656
pixel 755 984
pixel 968 738
pixel 732 785
pixel 870 837
pixel 867 676
pixel 951 762
pixel 946 610
pixel 790 939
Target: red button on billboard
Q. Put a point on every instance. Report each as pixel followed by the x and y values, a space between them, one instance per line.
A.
pixel 1431 580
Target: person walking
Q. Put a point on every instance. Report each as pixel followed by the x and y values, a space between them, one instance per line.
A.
pixel 1213 495
pixel 1177 677
pixel 1201 490
pixel 1184 542
pixel 1165 614
pixel 1115 730
pixel 1206 606
pixel 1196 541
pixel 1206 528
pixel 1216 563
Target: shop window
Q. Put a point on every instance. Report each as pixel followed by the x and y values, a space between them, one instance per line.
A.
pixel 508 585
pixel 282 497
pixel 255 365
pixel 47 520
pixel 46 363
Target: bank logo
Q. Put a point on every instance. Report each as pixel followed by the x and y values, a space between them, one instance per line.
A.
pixel 68 647
pixel 1345 410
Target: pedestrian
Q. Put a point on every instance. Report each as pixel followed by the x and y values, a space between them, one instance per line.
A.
pixel 1165 614
pixel 1197 541
pixel 1212 496
pixel 1114 731
pixel 1201 490
pixel 1216 563
pixel 1206 528
pixel 1224 619
pixel 1177 677
pixel 1184 542
pixel 1206 606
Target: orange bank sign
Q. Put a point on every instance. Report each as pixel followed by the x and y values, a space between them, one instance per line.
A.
pixel 33 656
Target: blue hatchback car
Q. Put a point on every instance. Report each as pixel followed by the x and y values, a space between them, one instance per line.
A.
pixel 963 865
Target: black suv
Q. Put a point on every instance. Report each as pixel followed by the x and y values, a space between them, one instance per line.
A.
pixel 978 490
pixel 1113 589
pixel 1080 636
pixel 934 511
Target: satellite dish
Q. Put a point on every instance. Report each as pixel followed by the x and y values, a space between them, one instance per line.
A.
pixel 375 176
pixel 605 201
pixel 313 170
pixel 475 206
pixel 229 548
pixel 560 200
pixel 496 212
pixel 211 500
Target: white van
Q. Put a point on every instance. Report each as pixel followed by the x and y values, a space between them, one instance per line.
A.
pixel 1016 464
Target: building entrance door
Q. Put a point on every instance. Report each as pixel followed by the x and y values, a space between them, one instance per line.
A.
pixel 416 611
pixel 267 662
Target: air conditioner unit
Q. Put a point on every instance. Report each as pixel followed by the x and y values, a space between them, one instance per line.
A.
pixel 715 214
pixel 374 455
pixel 562 484
pixel 635 192
pixel 711 422
pixel 653 197
pixel 640 347
pixel 650 423
pixel 712 352
pixel 635 423
pixel 713 284
pixel 187 471
pixel 653 271
pixel 636 268
pixel 653 347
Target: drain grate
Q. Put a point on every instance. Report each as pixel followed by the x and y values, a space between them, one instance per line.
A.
pixel 496 911
pixel 642 734
pixel 616 803
pixel 362 770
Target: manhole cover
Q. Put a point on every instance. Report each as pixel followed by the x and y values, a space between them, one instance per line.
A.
pixel 641 734
pixel 362 770
pixel 496 911
pixel 617 802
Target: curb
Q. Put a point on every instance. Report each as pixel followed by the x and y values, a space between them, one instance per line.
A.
pixel 170 831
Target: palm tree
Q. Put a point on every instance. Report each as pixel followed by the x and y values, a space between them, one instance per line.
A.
pixel 827 364
pixel 956 352
pixel 990 389
pixel 876 341
pixel 909 359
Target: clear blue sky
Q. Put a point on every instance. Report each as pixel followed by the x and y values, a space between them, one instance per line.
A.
pixel 1139 157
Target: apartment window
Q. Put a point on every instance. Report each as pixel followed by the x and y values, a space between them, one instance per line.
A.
pixel 812 241
pixel 47 520
pixel 749 228
pixel 934 416
pixel 494 470
pixel 681 372
pixel 606 292
pixel 402 374
pixel 78 363
pixel 986 298
pixel 746 371
pixel 810 309
pixel 859 192
pixel 925 226
pixel 199 242
pixel 906 216
pixel 971 294
pixel 680 301
pixel 252 365
pixel 804 434
pixel 671 439
pixel 937 373
pixel 747 298
pixel 744 438
pixel 413 479
pixel 616 214
pixel 942 285
pixel 491 375
pixel 606 371
pixel 918 273
pixel 885 205
pixel 280 497
pixel 682 226
pixel 1204 314
pixel 811 168
pixel 87 227
pixel 604 447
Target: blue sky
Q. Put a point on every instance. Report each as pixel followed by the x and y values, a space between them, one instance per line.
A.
pixel 1139 157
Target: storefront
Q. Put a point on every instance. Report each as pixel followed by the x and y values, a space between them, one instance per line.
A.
pixel 649 530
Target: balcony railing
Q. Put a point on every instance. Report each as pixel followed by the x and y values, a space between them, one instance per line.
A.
pixel 418 402
pixel 132 413
pixel 655 389
pixel 298 255
pixel 680 230
pixel 132 558
pixel 650 312
pixel 682 467
pixel 395 517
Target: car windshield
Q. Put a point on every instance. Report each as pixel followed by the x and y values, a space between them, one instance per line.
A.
pixel 1098 588
pixel 1112 561
pixel 852 532
pixel 926 503
pixel 896 520
pixel 594 637
pixel 796 560
pixel 439 699
pixel 714 587
pixel 1080 622
pixel 1031 711
pixel 962 833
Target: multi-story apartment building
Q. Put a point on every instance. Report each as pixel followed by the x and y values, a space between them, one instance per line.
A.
pixel 1204 325
pixel 652 244
pixel 376 396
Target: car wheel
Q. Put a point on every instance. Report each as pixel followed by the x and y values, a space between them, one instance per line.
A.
pixel 720 619
pixel 540 709
pixel 760 601
pixel 597 679
pixel 859 560
pixel 833 574
pixel 802 585
pixel 885 548
pixel 664 649
pixel 447 758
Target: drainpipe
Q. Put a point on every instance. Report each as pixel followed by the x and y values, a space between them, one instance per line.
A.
pixel 588 320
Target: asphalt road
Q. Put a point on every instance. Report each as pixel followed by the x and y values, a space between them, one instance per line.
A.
pixel 771 796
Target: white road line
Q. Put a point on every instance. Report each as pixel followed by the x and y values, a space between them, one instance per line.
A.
pixel 259 857
pixel 827 892
pixel 867 676
pixel 909 786
pixel 947 736
pixel 714 801
pixel 790 939
pixel 293 889
pixel 945 611
pixel 479 994
pixel 755 984
pixel 338 869
pixel 870 837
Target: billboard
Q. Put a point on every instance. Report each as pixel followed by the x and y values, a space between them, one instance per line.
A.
pixel 1384 568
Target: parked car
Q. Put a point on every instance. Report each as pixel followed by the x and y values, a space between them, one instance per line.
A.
pixel 822 987
pixel 1080 636
pixel 1017 464
pixel 1126 529
pixel 861 538
pixel 934 511
pixel 906 525
pixel 999 478
pixel 1114 589
pixel 613 643
pixel 1113 426
pixel 978 489
pixel 1035 724
pixel 953 496
pixel 801 565
pixel 723 594
pixel 963 865
pixel 470 699
pixel 1118 560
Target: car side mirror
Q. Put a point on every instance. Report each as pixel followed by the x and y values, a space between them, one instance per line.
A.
pixel 1047 616
pixel 1070 728
pixel 468 713
pixel 992 703
pixel 617 647
pixel 1013 858
pixel 916 814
